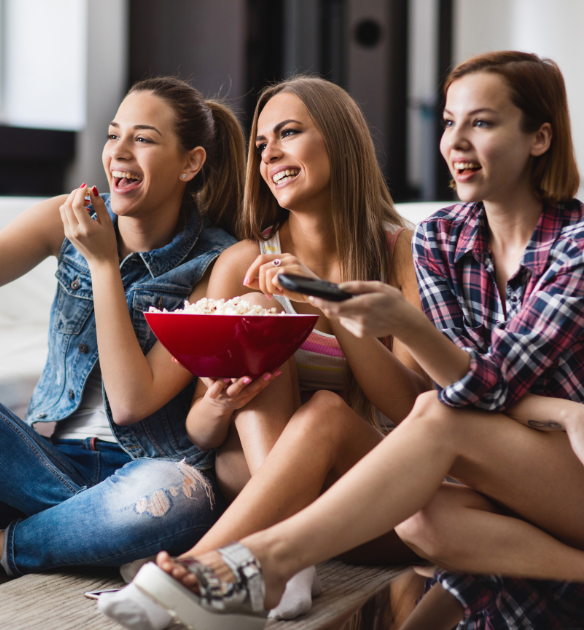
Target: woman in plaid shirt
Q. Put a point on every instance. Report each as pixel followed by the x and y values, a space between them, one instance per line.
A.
pixel 501 281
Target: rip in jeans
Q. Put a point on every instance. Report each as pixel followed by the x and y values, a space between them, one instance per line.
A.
pixel 159 502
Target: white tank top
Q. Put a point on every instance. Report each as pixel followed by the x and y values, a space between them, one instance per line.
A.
pixel 90 419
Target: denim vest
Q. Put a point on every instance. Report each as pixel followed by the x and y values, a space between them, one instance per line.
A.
pixel 163 278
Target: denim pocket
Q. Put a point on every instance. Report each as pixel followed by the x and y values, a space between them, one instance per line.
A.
pixel 71 312
pixel 74 301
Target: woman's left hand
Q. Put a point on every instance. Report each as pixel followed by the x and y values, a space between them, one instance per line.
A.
pixel 376 310
pixel 263 274
pixel 95 239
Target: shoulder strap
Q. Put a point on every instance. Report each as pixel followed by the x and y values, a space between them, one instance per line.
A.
pixel 272 245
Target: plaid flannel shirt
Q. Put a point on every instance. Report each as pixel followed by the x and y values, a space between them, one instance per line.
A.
pixel 491 602
pixel 538 345
pixel 535 344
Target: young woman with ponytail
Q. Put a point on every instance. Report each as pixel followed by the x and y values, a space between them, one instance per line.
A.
pixel 120 479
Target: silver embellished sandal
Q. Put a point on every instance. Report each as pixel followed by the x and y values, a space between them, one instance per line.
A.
pixel 221 605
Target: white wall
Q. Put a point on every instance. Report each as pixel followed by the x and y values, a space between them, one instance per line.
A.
pixel 44 63
pixel 64 66
pixel 549 28
pixel 422 96
pixel 105 35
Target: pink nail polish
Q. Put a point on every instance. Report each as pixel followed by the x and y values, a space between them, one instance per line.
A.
pixel 227 380
pixel 277 373
pixel 267 377
pixel 247 380
pixel 245 281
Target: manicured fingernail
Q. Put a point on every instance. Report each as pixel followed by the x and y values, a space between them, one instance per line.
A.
pixel 245 281
pixel 82 185
pixel 247 380
pixel 277 373
pixel 173 359
pixel 227 380
pixel 94 190
pixel 267 377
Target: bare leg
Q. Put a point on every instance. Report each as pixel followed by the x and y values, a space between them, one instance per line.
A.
pixel 319 444
pixel 400 476
pixel 255 430
pixel 438 610
pixel 458 525
pixel 322 441
pixel 258 425
pixel 403 595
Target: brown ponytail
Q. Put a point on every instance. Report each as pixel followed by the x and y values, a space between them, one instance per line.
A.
pixel 217 189
pixel 221 196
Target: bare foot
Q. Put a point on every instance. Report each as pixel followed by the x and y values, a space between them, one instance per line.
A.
pixel 179 572
pixel 275 583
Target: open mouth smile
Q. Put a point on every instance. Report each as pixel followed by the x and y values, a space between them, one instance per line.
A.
pixel 466 169
pixel 287 175
pixel 125 182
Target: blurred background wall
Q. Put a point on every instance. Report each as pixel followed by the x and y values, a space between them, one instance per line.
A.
pixel 66 64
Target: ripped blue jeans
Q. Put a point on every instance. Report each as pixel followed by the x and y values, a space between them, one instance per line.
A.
pixel 86 502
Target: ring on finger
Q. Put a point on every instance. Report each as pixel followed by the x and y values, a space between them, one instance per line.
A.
pixel 276 262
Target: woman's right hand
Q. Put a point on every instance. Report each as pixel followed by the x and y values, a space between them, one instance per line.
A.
pixel 263 274
pixel 375 310
pixel 95 239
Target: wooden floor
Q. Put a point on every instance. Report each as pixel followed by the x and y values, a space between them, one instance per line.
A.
pixel 56 601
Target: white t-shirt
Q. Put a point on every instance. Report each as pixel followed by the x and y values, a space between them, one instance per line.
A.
pixel 90 419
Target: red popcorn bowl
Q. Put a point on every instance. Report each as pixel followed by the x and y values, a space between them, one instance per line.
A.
pixel 230 346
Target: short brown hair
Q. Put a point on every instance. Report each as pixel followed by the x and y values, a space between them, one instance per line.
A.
pixel 537 88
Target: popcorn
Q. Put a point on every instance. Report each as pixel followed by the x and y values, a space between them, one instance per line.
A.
pixel 207 306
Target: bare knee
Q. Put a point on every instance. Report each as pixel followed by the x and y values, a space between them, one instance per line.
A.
pixel 435 417
pixel 323 413
pixel 322 421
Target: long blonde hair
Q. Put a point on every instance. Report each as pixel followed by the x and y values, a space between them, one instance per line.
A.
pixel 361 202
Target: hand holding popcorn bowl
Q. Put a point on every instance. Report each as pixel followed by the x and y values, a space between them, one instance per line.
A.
pixel 229 339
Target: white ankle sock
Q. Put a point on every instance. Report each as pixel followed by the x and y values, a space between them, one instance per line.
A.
pixel 297 598
pixel 128 571
pixel 133 610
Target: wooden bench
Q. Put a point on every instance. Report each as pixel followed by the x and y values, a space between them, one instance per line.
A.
pixel 56 601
